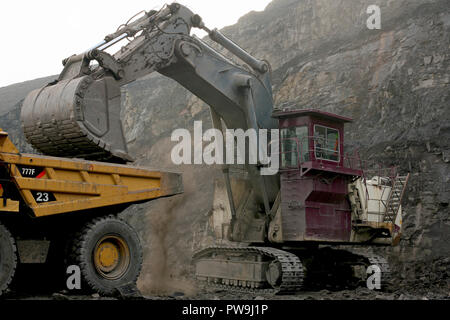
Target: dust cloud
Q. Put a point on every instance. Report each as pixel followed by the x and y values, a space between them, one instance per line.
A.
pixel 171 222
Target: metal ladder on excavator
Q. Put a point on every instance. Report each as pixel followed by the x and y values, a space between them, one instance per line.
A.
pixel 395 198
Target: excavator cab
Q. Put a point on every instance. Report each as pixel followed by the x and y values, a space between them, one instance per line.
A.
pixel 326 195
pixel 312 138
pixel 314 177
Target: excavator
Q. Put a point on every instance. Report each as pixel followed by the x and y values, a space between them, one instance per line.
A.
pixel 313 223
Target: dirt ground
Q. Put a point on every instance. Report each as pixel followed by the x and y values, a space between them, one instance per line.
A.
pixel 197 293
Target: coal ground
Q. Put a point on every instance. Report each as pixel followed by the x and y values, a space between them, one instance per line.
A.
pixel 50 285
pixel 415 292
pixel 359 294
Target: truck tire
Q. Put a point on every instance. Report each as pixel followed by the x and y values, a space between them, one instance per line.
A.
pixel 8 258
pixel 109 254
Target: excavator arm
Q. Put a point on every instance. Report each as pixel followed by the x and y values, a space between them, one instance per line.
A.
pixel 79 114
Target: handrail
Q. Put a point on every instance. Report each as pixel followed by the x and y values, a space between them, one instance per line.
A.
pixel 369 167
pixel 305 150
pixel 302 153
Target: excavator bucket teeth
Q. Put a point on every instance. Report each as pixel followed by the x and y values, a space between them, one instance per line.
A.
pixel 77 118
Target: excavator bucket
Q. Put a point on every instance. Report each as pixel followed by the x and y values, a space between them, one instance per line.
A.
pixel 76 117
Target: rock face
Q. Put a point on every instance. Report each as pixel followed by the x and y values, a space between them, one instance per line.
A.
pixel 16 92
pixel 394 83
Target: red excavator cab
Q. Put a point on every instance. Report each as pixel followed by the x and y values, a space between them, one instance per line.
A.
pixel 314 176
pixel 314 140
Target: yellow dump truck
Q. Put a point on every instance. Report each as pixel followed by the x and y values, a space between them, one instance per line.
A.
pixel 59 209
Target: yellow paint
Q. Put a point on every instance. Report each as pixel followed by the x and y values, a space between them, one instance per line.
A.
pixel 78 184
pixel 107 254
pixel 5 143
pixel 11 206
pixel 111 257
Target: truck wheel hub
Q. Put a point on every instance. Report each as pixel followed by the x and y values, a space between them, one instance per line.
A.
pixel 111 257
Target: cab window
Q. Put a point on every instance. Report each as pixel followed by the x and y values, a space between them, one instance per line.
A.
pixel 326 143
pixel 294 146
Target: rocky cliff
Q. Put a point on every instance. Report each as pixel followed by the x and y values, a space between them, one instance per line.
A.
pixel 394 83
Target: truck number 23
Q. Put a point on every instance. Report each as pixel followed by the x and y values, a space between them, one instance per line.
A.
pixel 42 197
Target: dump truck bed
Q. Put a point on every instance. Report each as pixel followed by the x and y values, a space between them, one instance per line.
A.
pixel 52 185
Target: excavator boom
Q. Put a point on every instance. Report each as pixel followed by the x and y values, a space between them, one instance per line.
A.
pixel 79 114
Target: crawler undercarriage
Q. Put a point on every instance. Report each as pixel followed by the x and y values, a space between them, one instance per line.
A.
pixel 269 270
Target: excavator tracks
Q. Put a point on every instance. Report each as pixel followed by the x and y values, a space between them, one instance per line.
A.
pixel 374 259
pixel 290 279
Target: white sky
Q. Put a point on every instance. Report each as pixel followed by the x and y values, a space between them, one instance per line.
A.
pixel 38 35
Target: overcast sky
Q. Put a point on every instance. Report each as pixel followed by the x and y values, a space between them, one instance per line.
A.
pixel 38 35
